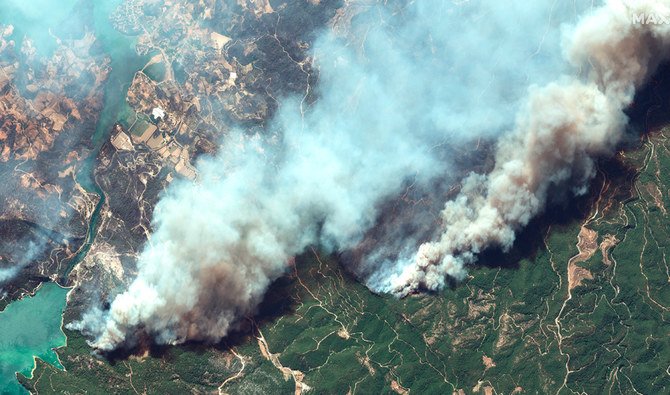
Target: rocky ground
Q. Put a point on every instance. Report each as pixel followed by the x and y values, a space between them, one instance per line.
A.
pixel 579 305
pixel 49 105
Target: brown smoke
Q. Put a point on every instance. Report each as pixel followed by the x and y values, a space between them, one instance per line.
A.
pixel 563 127
pixel 218 244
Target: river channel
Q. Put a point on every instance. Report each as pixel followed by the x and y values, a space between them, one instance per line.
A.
pixel 32 327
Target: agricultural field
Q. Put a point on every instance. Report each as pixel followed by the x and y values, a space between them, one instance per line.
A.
pixel 581 304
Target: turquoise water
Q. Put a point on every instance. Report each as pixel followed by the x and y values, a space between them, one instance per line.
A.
pixel 36 19
pixel 124 63
pixel 30 327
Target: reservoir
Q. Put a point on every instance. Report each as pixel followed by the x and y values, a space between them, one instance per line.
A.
pixel 30 327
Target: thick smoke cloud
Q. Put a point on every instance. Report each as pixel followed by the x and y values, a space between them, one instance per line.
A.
pixel 560 130
pixel 426 82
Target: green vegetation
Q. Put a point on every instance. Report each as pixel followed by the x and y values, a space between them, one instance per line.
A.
pixel 139 124
pixel 515 325
pixel 167 370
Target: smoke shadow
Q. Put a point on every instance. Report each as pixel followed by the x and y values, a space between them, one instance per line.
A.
pixel 650 109
pixel 561 215
pixel 278 301
pixel 531 239
pixel 649 112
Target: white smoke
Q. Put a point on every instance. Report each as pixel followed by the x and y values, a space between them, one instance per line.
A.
pixel 557 135
pixel 439 74
pixel 24 252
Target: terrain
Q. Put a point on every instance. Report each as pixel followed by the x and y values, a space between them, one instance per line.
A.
pixel 579 305
pixel 49 102
pixel 590 317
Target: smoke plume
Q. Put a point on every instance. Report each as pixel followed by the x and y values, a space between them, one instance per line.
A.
pixel 424 84
pixel 560 130
pixel 24 252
